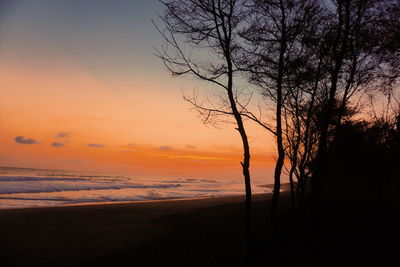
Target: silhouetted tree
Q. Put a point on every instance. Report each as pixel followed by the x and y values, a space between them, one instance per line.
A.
pixel 314 60
pixel 365 153
pixel 354 60
pixel 201 39
pixel 272 57
pixel 210 26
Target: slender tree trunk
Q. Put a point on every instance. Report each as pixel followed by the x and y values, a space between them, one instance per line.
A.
pixel 292 189
pixel 279 137
pixel 246 161
pixel 224 34
pixel 320 171
pixel 278 166
pixel 301 190
pixel 246 149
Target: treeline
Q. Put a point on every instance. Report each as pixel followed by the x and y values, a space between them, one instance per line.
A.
pixel 321 76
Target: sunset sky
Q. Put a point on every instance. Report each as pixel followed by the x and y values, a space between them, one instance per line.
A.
pixel 81 89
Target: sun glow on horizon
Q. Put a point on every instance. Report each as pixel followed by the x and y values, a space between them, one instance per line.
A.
pixel 96 98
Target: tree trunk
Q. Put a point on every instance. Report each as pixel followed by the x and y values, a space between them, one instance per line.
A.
pixel 292 189
pixel 246 151
pixel 321 165
pixel 226 47
pixel 245 142
pixel 279 137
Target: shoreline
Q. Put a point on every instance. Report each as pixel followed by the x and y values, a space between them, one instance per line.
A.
pixel 284 188
pixel 89 204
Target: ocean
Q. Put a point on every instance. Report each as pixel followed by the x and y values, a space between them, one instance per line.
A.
pixel 24 187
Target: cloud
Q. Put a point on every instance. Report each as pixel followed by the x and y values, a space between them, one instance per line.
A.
pixel 130 145
pixel 25 141
pixel 165 148
pixel 63 135
pixel 96 145
pixel 57 144
pixel 227 148
pixel 190 147
pixel 127 151
pixel 73 161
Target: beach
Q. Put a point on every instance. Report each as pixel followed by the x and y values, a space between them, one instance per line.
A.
pixel 197 232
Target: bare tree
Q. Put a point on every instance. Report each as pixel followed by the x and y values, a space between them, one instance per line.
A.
pixel 355 61
pixel 313 60
pixel 272 57
pixel 210 26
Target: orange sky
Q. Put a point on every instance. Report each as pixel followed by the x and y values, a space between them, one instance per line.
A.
pixel 107 106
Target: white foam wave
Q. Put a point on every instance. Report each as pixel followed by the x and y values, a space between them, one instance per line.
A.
pixel 38 188
pixel 46 186
pixel 38 178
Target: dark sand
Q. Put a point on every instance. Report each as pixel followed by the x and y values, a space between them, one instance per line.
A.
pixel 200 232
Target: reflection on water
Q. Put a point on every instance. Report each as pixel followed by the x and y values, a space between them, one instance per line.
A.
pixel 22 187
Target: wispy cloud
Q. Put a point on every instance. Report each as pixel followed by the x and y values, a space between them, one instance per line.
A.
pixel 96 145
pixel 127 151
pixel 63 135
pixel 57 144
pixel 73 161
pixel 196 157
pixel 79 119
pixel 165 148
pixel 130 145
pixel 191 147
pixel 25 141
pixel 227 148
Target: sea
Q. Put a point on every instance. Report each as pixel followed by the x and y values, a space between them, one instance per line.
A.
pixel 25 187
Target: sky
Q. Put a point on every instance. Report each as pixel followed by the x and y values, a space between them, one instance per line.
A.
pixel 81 89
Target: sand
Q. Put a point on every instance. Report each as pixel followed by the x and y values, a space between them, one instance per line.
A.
pixel 198 232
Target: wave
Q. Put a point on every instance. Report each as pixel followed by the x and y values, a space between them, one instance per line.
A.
pixel 15 189
pixel 33 198
pixel 39 188
pixel 62 200
pixel 31 179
